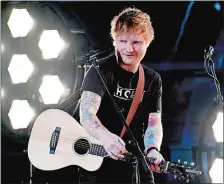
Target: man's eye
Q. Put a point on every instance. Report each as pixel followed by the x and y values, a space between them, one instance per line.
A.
pixel 124 41
pixel 138 42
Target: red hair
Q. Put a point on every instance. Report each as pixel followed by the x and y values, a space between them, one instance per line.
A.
pixel 132 20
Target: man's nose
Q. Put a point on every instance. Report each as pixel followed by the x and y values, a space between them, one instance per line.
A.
pixel 130 47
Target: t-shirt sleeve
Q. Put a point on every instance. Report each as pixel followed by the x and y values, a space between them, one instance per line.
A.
pixel 156 100
pixel 92 82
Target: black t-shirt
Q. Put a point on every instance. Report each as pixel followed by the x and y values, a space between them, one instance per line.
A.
pixel 122 85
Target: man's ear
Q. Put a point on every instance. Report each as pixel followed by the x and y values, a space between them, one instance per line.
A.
pixel 147 43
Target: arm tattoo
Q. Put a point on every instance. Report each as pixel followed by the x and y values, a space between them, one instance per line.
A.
pixel 89 105
pixel 154 133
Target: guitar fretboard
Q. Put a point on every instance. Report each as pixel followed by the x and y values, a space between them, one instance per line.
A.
pixel 98 150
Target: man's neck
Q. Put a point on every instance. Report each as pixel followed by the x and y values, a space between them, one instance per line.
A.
pixel 130 68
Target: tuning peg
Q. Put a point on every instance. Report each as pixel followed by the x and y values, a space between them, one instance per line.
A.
pixel 187 181
pixel 178 160
pixel 192 164
pixel 175 176
pixel 185 162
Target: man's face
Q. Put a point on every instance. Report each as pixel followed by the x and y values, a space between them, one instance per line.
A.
pixel 131 47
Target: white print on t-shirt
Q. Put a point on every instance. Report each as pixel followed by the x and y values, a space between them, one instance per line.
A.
pixel 124 93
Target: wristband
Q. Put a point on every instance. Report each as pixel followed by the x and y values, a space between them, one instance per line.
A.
pixel 148 150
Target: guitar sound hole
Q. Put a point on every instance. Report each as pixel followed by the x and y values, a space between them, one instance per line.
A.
pixel 81 146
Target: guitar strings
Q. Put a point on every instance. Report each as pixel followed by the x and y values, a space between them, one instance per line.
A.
pixel 68 140
pixel 100 149
pixel 76 143
pixel 65 140
pixel 85 145
pixel 81 145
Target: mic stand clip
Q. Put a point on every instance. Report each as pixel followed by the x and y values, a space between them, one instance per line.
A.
pixel 219 97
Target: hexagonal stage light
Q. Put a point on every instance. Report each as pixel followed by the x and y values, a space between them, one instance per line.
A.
pixel 51 89
pixel 20 114
pixel 216 171
pixel 20 23
pixel 2 47
pixel 218 127
pixel 50 44
pixel 20 68
pixel 2 93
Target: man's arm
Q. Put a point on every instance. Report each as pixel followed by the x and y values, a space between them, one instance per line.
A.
pixel 89 105
pixel 154 132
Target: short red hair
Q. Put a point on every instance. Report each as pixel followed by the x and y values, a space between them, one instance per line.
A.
pixel 132 20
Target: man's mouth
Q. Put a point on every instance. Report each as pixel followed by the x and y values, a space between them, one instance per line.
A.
pixel 129 55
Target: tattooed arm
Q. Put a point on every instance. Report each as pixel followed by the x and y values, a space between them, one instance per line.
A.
pixel 89 105
pixel 154 132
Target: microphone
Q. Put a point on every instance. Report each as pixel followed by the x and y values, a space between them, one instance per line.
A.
pixel 208 52
pixel 87 58
pixel 103 51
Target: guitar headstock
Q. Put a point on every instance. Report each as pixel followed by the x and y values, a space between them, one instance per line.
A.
pixel 181 171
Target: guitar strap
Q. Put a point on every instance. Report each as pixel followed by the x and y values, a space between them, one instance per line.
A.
pixel 136 100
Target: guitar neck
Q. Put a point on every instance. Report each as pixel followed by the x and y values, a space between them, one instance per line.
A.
pixel 99 150
pixel 174 168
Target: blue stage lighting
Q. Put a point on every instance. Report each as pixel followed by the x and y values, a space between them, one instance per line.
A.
pixel 217 6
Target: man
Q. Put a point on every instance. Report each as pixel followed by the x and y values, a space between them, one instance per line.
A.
pixel 132 33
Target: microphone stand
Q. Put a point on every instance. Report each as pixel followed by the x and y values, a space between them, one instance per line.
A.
pixel 140 155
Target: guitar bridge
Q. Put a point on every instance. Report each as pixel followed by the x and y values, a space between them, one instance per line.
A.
pixel 54 140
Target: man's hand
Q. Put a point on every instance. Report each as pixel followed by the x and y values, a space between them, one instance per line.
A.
pixel 114 145
pixel 158 158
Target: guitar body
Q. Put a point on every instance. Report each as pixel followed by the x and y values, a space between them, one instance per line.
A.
pixel 54 142
pixel 57 140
